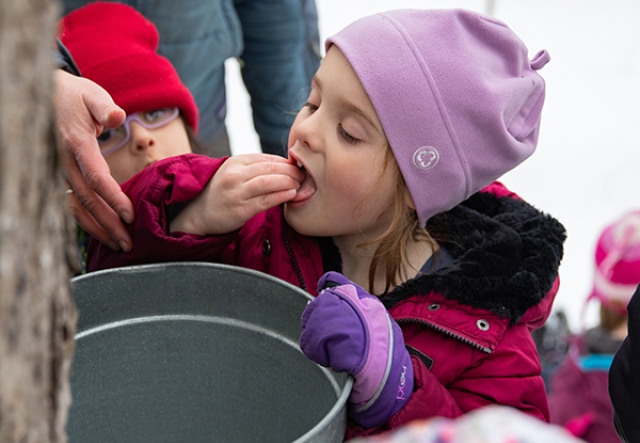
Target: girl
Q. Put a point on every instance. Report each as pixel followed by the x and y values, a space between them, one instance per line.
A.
pixel 390 187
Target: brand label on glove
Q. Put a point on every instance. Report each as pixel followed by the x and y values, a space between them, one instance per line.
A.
pixel 400 395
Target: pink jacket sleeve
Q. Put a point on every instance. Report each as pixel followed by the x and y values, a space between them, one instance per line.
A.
pixel 152 191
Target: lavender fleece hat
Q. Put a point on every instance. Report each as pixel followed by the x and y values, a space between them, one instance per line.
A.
pixel 457 96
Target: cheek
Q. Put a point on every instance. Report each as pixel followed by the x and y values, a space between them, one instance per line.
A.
pixel 175 141
pixel 350 183
pixel 119 170
pixel 121 165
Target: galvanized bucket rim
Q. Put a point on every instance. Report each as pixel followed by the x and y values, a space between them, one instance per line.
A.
pixel 346 388
pixel 151 266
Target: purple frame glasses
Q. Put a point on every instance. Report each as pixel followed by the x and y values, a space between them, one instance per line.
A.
pixel 110 140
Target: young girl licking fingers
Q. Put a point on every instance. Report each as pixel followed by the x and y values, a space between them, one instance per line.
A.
pixel 428 274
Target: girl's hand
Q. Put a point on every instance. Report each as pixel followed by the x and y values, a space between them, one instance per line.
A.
pixel 244 186
pixel 349 330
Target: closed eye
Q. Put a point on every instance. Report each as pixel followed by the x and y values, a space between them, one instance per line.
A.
pixel 311 106
pixel 348 137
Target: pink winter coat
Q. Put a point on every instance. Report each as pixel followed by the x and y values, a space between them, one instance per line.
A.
pixel 467 325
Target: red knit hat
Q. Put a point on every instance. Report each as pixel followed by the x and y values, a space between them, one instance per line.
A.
pixel 617 260
pixel 115 46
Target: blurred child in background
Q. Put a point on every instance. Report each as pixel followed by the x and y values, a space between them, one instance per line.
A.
pixel 578 389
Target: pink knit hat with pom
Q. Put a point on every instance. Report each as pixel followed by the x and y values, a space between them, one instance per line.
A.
pixel 617 260
pixel 456 93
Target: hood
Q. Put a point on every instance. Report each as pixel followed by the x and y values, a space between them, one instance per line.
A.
pixel 506 258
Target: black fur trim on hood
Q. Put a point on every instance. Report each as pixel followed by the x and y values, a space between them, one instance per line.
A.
pixel 506 257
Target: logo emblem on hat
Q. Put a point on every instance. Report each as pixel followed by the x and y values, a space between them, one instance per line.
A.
pixel 426 158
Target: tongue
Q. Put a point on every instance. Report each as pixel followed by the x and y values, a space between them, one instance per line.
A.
pixel 307 189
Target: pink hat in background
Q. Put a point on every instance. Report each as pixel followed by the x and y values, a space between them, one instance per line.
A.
pixel 617 262
pixel 456 93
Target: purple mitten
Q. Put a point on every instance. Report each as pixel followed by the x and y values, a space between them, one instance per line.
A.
pixel 350 330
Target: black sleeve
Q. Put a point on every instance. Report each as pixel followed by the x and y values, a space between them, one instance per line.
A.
pixel 624 378
pixel 64 60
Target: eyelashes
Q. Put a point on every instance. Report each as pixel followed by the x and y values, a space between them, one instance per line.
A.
pixel 341 131
pixel 311 106
pixel 348 137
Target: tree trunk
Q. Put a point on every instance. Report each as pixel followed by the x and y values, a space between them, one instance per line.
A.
pixel 37 314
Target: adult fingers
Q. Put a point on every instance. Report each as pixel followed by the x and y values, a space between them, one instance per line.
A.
pixel 93 166
pixel 96 215
pixel 83 108
pixel 95 181
pixel 105 112
pixel 260 168
pixel 89 224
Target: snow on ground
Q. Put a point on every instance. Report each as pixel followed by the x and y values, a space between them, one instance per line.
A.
pixel 585 170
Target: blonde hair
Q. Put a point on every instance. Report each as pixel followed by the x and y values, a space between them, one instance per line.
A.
pixel 612 318
pixel 392 244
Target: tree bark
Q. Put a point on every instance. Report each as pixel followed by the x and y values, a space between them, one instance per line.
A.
pixel 37 313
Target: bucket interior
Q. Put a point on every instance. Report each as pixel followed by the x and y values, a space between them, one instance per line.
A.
pixel 197 352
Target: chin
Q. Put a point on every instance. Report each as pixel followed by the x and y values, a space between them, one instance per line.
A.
pixel 300 224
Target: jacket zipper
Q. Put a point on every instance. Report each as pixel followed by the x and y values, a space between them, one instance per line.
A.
pixel 446 332
pixel 294 262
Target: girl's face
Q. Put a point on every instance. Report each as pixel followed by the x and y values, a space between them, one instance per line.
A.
pixel 147 146
pixel 338 140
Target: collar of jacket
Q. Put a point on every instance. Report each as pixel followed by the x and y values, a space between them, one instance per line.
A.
pixel 506 257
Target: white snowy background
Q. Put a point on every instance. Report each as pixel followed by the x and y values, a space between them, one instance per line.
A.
pixel 585 171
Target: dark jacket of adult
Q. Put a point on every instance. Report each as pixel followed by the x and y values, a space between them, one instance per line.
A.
pixel 624 378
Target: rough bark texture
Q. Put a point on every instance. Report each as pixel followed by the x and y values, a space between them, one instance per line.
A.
pixel 37 314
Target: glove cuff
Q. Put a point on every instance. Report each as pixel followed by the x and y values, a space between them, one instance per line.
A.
pixel 394 389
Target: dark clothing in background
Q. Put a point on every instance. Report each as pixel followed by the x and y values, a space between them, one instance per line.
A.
pixel 624 378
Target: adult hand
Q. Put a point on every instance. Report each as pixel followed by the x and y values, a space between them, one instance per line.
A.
pixel 83 110
pixel 350 330
pixel 243 186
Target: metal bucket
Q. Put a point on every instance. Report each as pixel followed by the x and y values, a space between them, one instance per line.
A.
pixel 197 352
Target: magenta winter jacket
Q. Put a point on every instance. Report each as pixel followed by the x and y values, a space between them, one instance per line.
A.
pixel 466 325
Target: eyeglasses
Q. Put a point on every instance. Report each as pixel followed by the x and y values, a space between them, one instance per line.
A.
pixel 113 139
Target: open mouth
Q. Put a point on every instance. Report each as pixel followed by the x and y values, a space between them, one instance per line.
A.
pixel 308 186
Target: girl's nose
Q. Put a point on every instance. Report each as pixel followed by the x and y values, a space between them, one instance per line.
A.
pixel 141 138
pixel 306 130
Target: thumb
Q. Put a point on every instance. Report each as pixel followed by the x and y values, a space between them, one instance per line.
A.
pixel 113 117
pixel 102 107
pixel 332 279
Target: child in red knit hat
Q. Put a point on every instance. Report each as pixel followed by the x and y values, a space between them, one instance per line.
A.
pixel 115 46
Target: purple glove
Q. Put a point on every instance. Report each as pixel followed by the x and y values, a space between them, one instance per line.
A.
pixel 349 330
